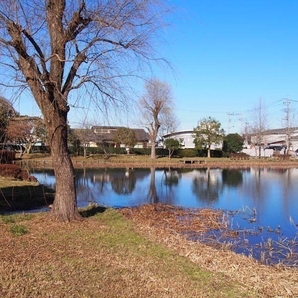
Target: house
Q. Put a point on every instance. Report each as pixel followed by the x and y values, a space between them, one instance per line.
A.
pixel 274 140
pixel 105 135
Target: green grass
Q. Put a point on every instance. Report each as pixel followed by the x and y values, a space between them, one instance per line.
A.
pixel 18 230
pixel 16 223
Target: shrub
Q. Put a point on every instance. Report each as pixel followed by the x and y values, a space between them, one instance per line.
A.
pixel 217 153
pixel 186 152
pixel 10 170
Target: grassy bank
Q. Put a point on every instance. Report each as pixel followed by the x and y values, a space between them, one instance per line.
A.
pixel 103 256
pixel 99 161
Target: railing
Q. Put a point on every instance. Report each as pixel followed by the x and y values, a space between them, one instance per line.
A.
pixel 239 156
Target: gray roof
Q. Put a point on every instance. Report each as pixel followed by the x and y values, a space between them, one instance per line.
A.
pixel 141 134
pixel 280 130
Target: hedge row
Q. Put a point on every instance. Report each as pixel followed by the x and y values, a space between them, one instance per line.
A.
pixel 180 153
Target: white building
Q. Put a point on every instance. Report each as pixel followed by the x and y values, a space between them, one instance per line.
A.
pixel 186 139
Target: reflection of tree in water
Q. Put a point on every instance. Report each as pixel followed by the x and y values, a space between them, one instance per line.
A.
pixel 124 184
pixel 232 177
pixel 83 189
pixel 171 177
pixel 152 193
pixel 206 188
pixel 169 183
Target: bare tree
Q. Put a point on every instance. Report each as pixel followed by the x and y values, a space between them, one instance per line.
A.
pixel 84 136
pixel 156 105
pixel 6 113
pixel 259 125
pixel 23 130
pixel 54 47
pixel 170 122
pixel 125 136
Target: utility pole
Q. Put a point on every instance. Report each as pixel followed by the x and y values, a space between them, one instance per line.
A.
pixel 287 110
pixel 229 120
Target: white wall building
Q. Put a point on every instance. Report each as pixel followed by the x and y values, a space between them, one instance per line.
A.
pixel 186 138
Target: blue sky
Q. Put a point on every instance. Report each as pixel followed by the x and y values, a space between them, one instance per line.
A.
pixel 230 54
pixel 226 56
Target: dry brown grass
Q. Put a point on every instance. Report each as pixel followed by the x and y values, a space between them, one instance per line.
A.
pixel 162 225
pixel 103 256
pixel 98 161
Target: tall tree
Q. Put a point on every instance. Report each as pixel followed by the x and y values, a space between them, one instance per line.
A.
pixel 54 47
pixel 208 132
pixel 156 105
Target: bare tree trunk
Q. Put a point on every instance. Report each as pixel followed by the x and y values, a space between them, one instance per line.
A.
pixel 153 151
pixel 208 152
pixel 65 203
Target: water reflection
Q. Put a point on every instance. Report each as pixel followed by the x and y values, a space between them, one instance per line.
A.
pixel 232 177
pixel 260 199
pixel 207 186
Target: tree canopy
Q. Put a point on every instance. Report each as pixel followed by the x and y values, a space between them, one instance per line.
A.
pixel 125 136
pixel 233 142
pixel 171 145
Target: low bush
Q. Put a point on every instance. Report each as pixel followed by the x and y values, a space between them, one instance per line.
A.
pixel 217 153
pixel 15 172
pixel 186 153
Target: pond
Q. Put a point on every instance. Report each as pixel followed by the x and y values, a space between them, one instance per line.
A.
pixel 261 204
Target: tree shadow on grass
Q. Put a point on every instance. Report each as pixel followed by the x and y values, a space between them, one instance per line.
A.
pixel 92 210
pixel 25 198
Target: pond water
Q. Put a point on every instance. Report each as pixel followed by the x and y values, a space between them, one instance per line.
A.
pixel 261 204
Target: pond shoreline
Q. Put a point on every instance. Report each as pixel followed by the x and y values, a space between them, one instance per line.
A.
pixel 130 162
